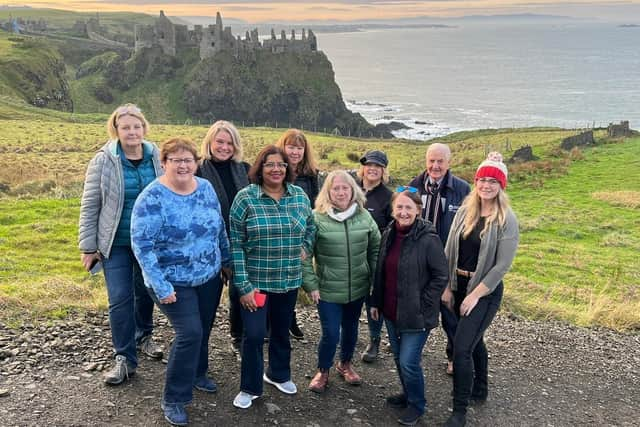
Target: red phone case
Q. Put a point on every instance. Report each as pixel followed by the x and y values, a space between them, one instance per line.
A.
pixel 260 298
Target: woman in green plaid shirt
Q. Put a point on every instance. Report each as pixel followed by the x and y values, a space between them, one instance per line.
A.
pixel 271 233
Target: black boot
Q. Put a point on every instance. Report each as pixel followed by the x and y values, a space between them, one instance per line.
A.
pixel 457 419
pixel 371 353
pixel 294 329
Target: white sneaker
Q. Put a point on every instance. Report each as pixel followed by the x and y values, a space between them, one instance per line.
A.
pixel 243 400
pixel 287 387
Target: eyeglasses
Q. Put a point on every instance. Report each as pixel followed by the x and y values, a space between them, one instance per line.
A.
pixel 491 181
pixel 188 161
pixel 403 188
pixel 273 165
pixel 128 109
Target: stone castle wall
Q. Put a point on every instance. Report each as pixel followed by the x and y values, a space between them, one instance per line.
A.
pixel 209 40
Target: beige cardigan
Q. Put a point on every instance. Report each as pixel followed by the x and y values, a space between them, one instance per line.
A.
pixel 497 250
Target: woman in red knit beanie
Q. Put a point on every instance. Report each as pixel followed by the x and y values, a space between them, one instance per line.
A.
pixel 480 249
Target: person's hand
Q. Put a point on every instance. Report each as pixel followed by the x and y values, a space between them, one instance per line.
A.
pixel 374 313
pixel 248 301
pixel 88 259
pixel 468 304
pixel 447 298
pixel 226 274
pixel 170 299
pixel 315 296
pixel 303 255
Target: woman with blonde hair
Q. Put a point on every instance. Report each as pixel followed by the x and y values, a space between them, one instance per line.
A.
pixel 303 163
pixel 223 167
pixel 345 254
pixel 480 248
pixel 116 175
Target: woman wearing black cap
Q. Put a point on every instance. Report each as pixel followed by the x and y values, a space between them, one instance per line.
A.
pixel 373 176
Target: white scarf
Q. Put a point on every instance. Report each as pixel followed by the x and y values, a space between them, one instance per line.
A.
pixel 344 215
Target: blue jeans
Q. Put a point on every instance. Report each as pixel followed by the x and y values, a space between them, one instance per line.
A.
pixel 407 353
pixel 470 357
pixel 130 307
pixel 333 318
pixel 375 326
pixel 191 317
pixel 278 309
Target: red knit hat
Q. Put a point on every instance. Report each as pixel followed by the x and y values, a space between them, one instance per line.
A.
pixel 493 167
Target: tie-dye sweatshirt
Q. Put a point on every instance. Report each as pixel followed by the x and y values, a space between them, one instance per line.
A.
pixel 179 240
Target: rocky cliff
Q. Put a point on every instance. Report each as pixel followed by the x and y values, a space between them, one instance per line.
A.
pixel 285 89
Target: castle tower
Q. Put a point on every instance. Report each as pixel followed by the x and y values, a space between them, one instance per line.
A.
pixel 218 27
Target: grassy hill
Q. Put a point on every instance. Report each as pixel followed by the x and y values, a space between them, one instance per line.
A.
pixel 578 211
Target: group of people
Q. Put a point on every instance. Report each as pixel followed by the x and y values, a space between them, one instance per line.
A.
pixel 172 225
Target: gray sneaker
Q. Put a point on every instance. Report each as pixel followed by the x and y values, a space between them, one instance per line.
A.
pixel 150 348
pixel 120 371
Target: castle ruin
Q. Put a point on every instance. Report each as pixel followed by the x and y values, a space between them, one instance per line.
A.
pixel 173 38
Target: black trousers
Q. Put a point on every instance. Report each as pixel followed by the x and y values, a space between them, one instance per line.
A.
pixel 470 357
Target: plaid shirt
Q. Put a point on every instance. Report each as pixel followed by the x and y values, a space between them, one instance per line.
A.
pixel 267 238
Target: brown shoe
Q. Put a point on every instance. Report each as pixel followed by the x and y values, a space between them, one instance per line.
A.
pixel 319 382
pixel 346 371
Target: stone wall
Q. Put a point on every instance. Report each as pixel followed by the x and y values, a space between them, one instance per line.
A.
pixel 619 131
pixel 582 139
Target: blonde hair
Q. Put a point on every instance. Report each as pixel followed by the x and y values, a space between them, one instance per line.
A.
pixel 308 165
pixel 125 110
pixel 385 174
pixel 323 201
pixel 473 208
pixel 215 129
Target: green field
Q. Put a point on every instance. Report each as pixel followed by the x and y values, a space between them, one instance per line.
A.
pixel 578 213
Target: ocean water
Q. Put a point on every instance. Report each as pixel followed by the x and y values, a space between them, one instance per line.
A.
pixel 442 80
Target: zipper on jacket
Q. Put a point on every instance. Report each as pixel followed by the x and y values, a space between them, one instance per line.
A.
pixel 346 232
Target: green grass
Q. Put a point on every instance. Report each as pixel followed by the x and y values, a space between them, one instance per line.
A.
pixel 578 213
pixel 578 256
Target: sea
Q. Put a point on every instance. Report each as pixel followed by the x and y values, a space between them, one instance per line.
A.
pixel 437 81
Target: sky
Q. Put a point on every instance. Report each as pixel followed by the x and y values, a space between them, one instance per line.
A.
pixel 345 10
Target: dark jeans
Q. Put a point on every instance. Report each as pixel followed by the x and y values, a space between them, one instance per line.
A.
pixel 277 309
pixel 339 323
pixel 235 317
pixel 407 353
pixel 375 326
pixel 470 357
pixel 130 307
pixel 191 316
pixel 449 325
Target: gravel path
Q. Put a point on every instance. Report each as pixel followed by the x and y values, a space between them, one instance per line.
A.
pixel 541 374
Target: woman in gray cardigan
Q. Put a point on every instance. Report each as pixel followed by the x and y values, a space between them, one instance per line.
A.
pixel 116 175
pixel 480 249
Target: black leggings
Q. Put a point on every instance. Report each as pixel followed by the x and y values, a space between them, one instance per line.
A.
pixel 470 357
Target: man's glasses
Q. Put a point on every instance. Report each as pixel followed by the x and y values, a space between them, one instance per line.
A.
pixel 188 161
pixel 273 165
pixel 404 188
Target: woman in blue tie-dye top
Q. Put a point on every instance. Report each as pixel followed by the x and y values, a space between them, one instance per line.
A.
pixel 179 238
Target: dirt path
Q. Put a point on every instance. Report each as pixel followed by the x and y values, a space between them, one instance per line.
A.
pixel 541 374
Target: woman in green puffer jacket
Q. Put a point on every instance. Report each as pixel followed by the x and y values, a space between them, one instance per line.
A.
pixel 340 276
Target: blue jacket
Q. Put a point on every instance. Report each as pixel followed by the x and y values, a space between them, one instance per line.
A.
pixel 454 192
